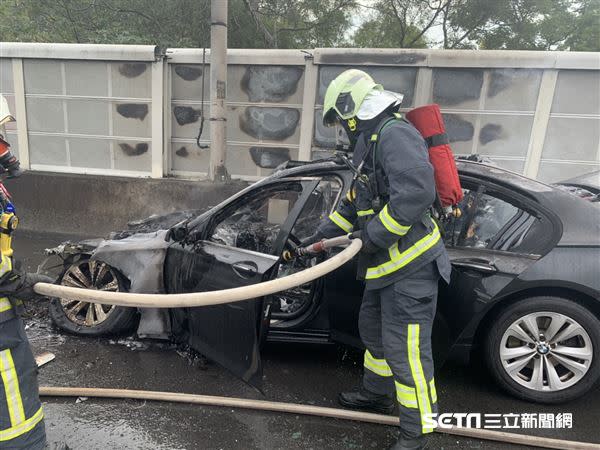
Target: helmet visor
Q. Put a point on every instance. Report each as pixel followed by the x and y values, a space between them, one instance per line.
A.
pixel 330 117
pixel 376 102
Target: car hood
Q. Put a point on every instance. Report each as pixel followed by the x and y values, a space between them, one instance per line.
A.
pixel 156 222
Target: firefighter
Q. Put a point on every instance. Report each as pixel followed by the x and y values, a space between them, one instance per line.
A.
pixel 403 255
pixel 21 414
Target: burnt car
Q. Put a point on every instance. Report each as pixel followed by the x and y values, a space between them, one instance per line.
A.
pixel 524 293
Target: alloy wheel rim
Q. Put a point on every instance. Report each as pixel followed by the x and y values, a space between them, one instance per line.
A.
pixel 89 275
pixel 546 351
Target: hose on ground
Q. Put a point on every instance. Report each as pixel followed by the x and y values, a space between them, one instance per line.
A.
pixel 321 411
pixel 195 299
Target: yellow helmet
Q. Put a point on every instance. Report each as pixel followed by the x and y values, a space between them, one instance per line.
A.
pixel 345 94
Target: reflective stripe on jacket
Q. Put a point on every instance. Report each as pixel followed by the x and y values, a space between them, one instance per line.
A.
pixel 8 309
pixel 20 408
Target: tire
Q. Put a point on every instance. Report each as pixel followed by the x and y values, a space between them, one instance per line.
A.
pixel 569 367
pixel 83 318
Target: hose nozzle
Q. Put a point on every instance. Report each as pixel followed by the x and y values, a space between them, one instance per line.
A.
pixel 317 247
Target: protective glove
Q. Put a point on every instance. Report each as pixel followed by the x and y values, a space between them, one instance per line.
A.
pixel 18 284
pixel 368 246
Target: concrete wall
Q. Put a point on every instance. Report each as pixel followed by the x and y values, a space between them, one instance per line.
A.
pixel 129 111
pixel 90 205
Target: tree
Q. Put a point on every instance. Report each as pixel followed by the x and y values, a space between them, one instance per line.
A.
pixel 485 24
pixel 175 23
pixel 532 25
pixel 398 23
pixel 301 23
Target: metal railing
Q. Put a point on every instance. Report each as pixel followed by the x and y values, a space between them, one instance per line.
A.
pixel 132 111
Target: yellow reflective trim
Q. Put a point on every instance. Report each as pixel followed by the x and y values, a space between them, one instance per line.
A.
pixel 5 265
pixel 23 427
pixel 374 138
pixel 433 391
pixel 341 221
pixel 401 259
pixel 365 212
pixel 406 395
pixel 11 388
pixel 416 369
pixel 377 366
pixel 5 304
pixel 390 224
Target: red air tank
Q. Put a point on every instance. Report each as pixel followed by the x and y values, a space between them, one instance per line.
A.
pixel 429 122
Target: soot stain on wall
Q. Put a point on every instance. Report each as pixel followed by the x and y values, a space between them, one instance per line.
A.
pixel 269 157
pixel 133 110
pixel 130 150
pixel 183 152
pixel 270 83
pixel 490 132
pixel 269 123
pixel 188 73
pixel 348 58
pixel 457 128
pixel 132 70
pixel 455 86
pixel 186 114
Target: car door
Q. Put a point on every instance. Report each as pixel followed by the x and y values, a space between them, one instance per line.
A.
pixel 498 236
pixel 239 245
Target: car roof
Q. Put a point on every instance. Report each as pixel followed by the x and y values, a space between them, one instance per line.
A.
pixel 580 218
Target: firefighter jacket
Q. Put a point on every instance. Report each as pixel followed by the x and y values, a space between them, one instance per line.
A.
pixel 392 201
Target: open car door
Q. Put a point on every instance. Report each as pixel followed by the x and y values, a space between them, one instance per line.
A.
pixel 238 246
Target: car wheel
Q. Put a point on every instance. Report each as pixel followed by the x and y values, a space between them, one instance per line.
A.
pixel 545 349
pixel 90 319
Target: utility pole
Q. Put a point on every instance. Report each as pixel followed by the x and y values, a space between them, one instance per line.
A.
pixel 218 89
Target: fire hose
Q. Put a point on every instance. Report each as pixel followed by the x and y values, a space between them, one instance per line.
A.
pixel 220 297
pixel 320 411
pixel 249 292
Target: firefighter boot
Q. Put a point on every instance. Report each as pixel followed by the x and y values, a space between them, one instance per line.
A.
pixel 366 400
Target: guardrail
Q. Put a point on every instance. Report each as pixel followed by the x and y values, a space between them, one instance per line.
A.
pixel 132 111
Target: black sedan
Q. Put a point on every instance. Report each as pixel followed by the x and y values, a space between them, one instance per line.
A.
pixel 525 290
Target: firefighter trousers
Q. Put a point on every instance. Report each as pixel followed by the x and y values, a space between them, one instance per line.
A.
pixel 21 415
pixel 395 325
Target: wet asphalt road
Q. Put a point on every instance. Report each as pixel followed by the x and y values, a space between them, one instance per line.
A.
pixel 298 373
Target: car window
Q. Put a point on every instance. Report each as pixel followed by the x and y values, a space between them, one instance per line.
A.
pixel 484 218
pixel 319 205
pixel 256 220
